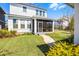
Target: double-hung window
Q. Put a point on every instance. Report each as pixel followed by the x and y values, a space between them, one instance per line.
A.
pixel 24 9
pixel 36 12
pixel 15 23
pixel 22 24
pixel 40 13
pixel 43 13
pixel 29 24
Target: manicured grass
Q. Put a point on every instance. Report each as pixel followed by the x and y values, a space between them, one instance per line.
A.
pixel 24 45
pixel 59 35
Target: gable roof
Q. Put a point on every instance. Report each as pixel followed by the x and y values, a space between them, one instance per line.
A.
pixel 1 11
pixel 32 5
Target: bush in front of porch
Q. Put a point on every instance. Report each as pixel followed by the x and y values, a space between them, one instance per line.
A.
pixel 5 33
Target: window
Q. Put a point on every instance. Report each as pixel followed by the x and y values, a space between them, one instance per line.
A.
pixel 24 9
pixel 22 24
pixel 14 20
pixel 15 23
pixel 29 25
pixel 40 13
pixel 36 12
pixel 43 13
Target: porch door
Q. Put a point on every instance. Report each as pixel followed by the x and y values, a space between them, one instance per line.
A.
pixel 40 26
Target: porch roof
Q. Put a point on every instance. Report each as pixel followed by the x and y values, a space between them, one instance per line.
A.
pixel 34 17
pixel 43 18
pixel 18 16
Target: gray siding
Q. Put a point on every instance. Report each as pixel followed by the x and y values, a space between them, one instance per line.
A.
pixel 2 21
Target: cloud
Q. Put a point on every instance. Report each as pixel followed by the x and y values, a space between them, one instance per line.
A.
pixel 62 6
pixel 56 6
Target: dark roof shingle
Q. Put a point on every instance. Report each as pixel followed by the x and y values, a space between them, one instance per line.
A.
pixel 1 11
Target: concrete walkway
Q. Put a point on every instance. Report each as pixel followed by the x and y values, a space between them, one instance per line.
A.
pixel 48 40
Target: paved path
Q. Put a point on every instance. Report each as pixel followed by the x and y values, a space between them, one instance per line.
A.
pixel 48 40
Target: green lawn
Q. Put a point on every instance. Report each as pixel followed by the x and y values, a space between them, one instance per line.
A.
pixel 59 35
pixel 25 45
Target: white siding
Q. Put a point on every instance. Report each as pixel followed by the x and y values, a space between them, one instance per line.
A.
pixel 10 24
pixel 17 9
pixel 19 29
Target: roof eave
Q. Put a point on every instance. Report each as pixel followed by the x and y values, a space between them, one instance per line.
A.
pixel 2 11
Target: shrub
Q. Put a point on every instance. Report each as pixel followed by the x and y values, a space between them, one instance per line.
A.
pixel 5 33
pixel 71 24
pixel 13 32
pixel 63 49
pixel 27 33
pixel 71 39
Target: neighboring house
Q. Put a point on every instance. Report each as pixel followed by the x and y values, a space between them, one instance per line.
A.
pixel 63 22
pixel 25 17
pixel 2 18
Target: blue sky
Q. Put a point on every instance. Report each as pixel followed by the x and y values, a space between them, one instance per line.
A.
pixel 54 10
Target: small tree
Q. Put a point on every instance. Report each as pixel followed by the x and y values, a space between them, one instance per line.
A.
pixel 71 25
pixel 60 23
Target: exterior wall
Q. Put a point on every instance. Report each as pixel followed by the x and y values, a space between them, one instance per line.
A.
pixel 19 29
pixel 2 21
pixel 17 9
pixel 10 24
pixel 65 24
pixel 2 25
pixel 76 24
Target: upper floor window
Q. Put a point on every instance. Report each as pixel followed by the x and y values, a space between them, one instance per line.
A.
pixel 43 13
pixel 40 13
pixel 24 9
pixel 36 12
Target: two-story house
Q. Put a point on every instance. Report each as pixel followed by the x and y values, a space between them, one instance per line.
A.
pixel 24 17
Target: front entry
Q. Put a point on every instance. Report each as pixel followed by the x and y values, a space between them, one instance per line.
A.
pixel 40 26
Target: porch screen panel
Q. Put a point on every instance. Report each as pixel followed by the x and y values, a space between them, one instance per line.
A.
pixel 47 26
